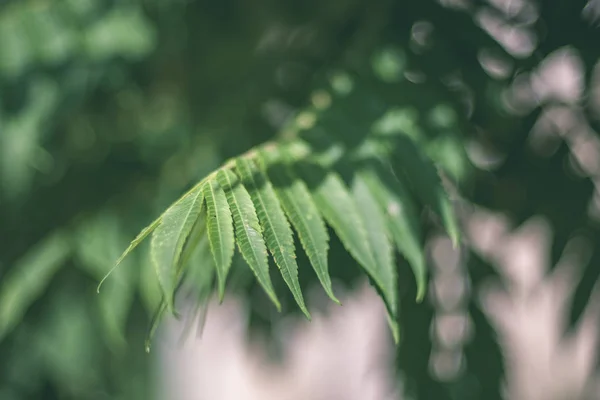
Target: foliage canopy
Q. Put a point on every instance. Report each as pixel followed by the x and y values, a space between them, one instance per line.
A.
pixel 323 135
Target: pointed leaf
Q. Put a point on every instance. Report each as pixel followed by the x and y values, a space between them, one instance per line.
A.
pixel 200 272
pixel 220 231
pixel 156 318
pixel 276 229
pixel 169 238
pixel 339 210
pixel 409 162
pixel 401 217
pixel 139 239
pixel 336 205
pixel 394 327
pixel 201 269
pixel 194 242
pixel 197 242
pixel 247 230
pixel 134 243
pixel 383 271
pixel 303 215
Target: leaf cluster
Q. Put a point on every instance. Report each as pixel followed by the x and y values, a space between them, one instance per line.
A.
pixel 369 195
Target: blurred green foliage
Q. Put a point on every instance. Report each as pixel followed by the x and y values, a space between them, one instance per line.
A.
pixel 109 110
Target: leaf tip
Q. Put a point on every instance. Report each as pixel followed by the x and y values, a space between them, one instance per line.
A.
pixel 420 293
pixel 420 272
pixel 334 299
pixel 395 330
pixel 396 335
pixel 108 274
pixel 455 238
pixel 306 313
pixel 220 289
pixel 330 294
pixel 276 303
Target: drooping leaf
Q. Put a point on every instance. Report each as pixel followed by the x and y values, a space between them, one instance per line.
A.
pixel 337 206
pixel 383 271
pixel 193 242
pixel 401 217
pixel 134 243
pixel 297 184
pixel 248 232
pixel 156 318
pixel 195 246
pixel 394 327
pixel 302 213
pixel 139 239
pixel 220 231
pixel 199 269
pixel 169 238
pixel 409 162
pixel 148 285
pixel 276 229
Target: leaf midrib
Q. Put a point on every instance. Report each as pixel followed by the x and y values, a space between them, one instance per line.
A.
pixel 239 211
pixel 198 194
pixel 267 215
pixel 304 225
pixel 221 246
pixel 297 210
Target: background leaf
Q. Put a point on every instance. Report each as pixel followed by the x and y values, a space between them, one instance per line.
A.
pixel 383 271
pixel 29 278
pixel 401 219
pixel 409 162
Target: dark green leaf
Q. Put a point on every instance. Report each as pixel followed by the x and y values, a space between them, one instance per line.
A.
pixel 401 217
pixel 383 270
pixel 411 164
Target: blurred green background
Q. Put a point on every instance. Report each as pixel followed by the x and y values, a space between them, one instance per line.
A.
pixel 109 110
